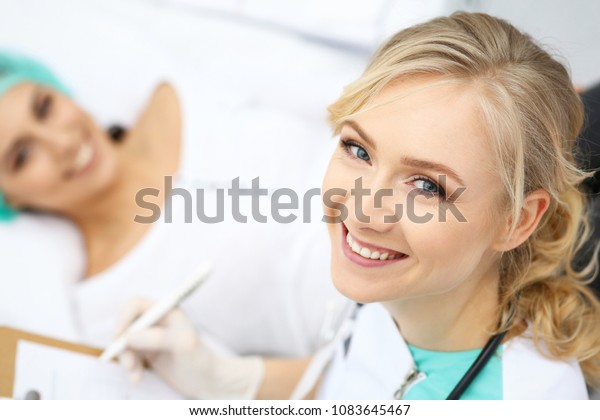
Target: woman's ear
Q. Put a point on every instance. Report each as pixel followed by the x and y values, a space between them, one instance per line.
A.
pixel 534 206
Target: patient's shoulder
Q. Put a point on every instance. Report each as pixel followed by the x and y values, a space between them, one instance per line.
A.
pixel 165 98
pixel 157 133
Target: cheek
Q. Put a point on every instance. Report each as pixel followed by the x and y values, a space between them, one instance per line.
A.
pixel 37 179
pixel 38 186
pixel 332 175
pixel 450 246
pixel 337 184
pixel 67 111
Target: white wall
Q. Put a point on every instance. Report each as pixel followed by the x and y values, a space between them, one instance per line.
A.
pixel 571 27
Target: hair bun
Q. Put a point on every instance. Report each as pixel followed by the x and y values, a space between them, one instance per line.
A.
pixel 117 132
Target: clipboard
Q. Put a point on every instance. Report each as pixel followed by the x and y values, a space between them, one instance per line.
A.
pixel 9 338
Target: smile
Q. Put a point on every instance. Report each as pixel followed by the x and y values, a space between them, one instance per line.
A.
pixel 368 255
pixel 83 159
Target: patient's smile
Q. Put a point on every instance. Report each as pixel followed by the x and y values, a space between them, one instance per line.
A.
pixel 83 159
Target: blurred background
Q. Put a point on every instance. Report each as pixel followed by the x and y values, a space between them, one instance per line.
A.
pixel 295 55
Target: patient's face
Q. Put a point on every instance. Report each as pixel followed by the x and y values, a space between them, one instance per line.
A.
pixel 53 156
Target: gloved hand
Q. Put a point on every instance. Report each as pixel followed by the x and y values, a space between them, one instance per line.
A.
pixel 175 351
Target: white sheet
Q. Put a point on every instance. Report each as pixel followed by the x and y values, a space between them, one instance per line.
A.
pixel 37 255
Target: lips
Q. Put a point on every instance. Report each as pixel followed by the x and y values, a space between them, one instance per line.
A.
pixel 368 255
pixel 83 160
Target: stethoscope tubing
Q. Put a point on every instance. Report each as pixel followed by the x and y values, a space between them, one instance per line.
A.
pixel 486 353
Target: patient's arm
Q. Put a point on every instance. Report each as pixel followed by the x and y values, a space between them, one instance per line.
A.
pixel 175 351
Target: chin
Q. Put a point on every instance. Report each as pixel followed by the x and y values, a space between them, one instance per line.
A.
pixel 358 289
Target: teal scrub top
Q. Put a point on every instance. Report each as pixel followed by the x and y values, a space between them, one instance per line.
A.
pixel 443 370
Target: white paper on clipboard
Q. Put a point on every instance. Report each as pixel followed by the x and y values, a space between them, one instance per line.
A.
pixel 58 374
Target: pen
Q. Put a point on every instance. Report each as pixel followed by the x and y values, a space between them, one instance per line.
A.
pixel 337 327
pixel 158 310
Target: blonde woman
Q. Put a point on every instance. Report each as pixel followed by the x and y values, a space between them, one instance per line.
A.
pixel 463 113
pixel 454 214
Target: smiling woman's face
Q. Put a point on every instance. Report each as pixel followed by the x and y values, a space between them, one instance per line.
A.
pixel 429 147
pixel 53 156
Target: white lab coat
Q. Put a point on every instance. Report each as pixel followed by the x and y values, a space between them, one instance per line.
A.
pixel 377 361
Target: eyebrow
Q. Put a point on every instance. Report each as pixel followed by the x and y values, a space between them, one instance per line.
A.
pixel 361 133
pixel 433 166
pixel 407 160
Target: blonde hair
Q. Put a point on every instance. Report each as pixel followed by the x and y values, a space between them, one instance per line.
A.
pixel 533 117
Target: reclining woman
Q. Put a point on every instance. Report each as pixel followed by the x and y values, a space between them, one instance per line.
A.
pixel 463 132
pixel 56 159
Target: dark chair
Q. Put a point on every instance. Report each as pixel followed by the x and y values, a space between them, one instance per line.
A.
pixel 589 158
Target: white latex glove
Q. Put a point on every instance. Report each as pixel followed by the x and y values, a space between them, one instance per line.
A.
pixel 174 350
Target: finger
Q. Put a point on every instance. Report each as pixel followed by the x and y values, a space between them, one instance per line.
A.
pixel 149 340
pixel 133 363
pixel 127 360
pixel 136 376
pixel 130 313
pixel 161 339
pixel 137 372
pixel 176 319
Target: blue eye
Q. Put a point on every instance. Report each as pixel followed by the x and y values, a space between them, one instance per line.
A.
pixel 429 187
pixel 356 151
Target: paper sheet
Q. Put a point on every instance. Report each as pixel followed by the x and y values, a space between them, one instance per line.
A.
pixel 58 374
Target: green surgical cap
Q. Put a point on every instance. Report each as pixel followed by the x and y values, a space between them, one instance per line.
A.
pixel 15 69
pixel 6 213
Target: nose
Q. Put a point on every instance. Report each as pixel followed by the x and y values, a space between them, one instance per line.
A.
pixel 60 141
pixel 376 206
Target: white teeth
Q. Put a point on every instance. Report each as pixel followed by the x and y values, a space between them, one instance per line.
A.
pixel 83 156
pixel 367 253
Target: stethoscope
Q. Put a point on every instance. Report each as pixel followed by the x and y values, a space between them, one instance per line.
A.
pixel 482 359
pixel 486 353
